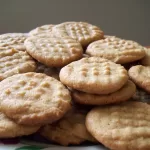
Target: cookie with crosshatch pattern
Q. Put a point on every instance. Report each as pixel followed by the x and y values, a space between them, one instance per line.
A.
pixel 123 94
pixel 70 129
pixel 94 75
pixel 83 32
pixel 34 98
pixel 42 31
pixel 54 52
pixel 10 129
pixel 123 126
pixel 140 75
pixel 13 40
pixel 13 62
pixel 117 50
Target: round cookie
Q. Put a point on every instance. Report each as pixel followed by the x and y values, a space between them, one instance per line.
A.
pixel 146 60
pixel 94 75
pixel 121 127
pixel 117 50
pixel 54 52
pixel 53 72
pixel 13 40
pixel 69 130
pixel 14 62
pixel 42 30
pixel 10 129
pixel 34 98
pixel 140 75
pixel 123 94
pixel 83 32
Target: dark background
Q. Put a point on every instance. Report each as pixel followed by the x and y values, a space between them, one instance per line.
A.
pixel 129 19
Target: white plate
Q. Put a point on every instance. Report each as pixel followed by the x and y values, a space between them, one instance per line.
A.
pixel 35 142
pixel 37 146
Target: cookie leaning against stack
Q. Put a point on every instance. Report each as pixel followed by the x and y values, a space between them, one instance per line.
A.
pixel 95 75
pixel 140 76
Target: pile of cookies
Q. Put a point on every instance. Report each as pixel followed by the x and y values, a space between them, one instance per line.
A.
pixel 71 83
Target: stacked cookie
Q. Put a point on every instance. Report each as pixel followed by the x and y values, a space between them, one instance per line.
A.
pixel 97 81
pixel 47 74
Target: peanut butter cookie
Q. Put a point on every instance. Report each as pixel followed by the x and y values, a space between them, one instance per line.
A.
pixel 140 75
pixel 83 32
pixel 10 129
pixel 117 50
pixel 13 62
pixel 121 127
pixel 146 60
pixel 94 75
pixel 123 94
pixel 34 98
pixel 42 31
pixel 69 130
pixel 54 52
pixel 13 40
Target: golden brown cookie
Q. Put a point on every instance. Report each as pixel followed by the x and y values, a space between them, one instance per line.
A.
pixel 54 52
pixel 42 30
pixel 83 32
pixel 140 75
pixel 13 40
pixel 117 50
pixel 9 128
pixel 34 98
pixel 94 75
pixel 14 62
pixel 121 127
pixel 123 94
pixel 53 72
pixel 146 60
pixel 69 130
